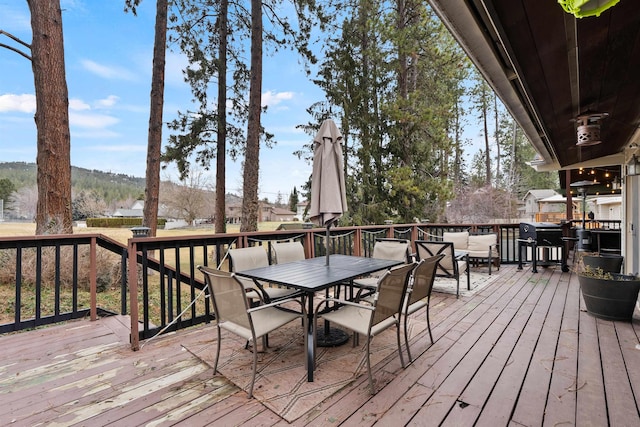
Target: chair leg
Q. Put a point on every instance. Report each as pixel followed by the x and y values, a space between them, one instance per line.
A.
pixel 406 338
pixel 255 367
pixel 373 391
pixel 399 344
pixel 429 322
pixel 215 364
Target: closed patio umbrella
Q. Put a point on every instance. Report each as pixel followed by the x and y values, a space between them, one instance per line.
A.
pixel 328 201
pixel 328 193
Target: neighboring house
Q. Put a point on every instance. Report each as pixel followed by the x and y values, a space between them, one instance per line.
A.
pixel 554 208
pixel 531 199
pixel 233 213
pixel 137 211
pixel 301 207
pixel 608 208
pixel 280 215
pixel 266 212
pixel 557 203
pixel 128 213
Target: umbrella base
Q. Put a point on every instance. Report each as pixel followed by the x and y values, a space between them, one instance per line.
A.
pixel 332 337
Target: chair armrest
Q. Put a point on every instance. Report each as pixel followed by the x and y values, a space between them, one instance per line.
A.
pixel 278 303
pixel 340 301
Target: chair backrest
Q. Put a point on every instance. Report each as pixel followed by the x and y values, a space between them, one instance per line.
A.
pixel 288 252
pixel 460 239
pixel 484 242
pixel 228 295
pixel 423 277
pixel 248 258
pixel 393 249
pixel 392 288
pixel 447 266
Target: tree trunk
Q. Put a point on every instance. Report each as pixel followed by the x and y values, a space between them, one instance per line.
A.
pixel 252 152
pixel 154 144
pixel 53 212
pixel 221 151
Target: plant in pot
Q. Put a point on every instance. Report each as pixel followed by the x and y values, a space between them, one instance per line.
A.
pixel 607 262
pixel 609 295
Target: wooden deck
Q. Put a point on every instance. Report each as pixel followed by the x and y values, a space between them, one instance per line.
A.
pixel 522 351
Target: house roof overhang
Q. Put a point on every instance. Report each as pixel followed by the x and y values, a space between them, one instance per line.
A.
pixel 549 67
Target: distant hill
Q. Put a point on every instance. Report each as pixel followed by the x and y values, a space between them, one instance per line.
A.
pixel 109 186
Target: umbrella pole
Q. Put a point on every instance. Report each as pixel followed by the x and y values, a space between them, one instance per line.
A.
pixel 331 337
pixel 327 243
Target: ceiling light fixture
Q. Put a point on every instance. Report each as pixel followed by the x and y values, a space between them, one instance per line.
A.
pixel 615 184
pixel 588 128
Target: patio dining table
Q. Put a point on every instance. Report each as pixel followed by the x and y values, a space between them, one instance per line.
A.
pixel 312 275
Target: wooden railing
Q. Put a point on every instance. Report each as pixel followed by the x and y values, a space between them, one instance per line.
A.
pixel 71 256
pixel 164 268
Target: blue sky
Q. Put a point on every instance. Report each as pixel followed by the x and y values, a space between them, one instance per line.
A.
pixel 108 55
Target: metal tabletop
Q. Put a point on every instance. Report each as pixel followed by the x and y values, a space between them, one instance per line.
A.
pixel 312 275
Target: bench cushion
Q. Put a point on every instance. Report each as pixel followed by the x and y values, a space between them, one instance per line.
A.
pixel 482 242
pixel 459 239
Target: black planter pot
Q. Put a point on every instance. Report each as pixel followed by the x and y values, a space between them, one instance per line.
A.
pixel 608 263
pixel 610 299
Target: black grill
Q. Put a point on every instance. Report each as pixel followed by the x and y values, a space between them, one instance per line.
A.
pixel 542 233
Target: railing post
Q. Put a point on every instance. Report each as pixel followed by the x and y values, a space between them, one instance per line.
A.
pixel 133 294
pixel 308 243
pixel 357 243
pixel 92 280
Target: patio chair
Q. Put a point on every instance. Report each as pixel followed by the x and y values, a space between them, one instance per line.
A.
pixel 450 266
pixel 480 247
pixel 288 252
pixel 419 294
pixel 370 319
pixel 234 314
pixel 394 249
pixel 254 257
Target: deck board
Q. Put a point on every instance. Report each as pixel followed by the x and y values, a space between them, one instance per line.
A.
pixel 499 407
pixel 521 351
pixel 561 401
pixel 530 407
pixel 591 406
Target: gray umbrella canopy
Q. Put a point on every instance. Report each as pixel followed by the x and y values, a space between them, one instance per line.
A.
pixel 328 194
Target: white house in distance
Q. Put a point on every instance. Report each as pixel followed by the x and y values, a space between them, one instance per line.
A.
pixel 608 207
pixel 135 211
pixel 531 205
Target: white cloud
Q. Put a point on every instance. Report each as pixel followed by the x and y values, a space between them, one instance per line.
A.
pixel 78 105
pixel 107 72
pixel 92 121
pixel 107 102
pixel 25 103
pixel 272 98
